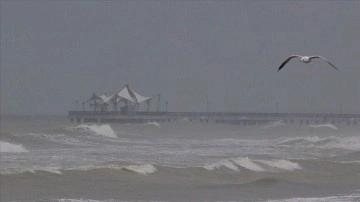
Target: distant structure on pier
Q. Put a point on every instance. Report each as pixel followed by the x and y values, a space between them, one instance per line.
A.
pixel 105 109
pixel 127 99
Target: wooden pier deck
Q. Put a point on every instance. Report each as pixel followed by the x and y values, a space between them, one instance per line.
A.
pixel 213 117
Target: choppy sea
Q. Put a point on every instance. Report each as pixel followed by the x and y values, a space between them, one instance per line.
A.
pixel 51 159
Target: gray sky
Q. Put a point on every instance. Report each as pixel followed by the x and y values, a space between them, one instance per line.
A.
pixel 227 52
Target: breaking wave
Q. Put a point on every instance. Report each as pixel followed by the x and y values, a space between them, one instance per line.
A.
pixel 141 169
pixel 237 164
pixel 84 200
pixel 156 124
pixel 104 129
pixel 222 164
pixel 33 170
pixel 281 164
pixel 61 139
pixel 6 147
pixel 331 126
pixel 345 198
pixel 349 143
pixel 342 198
pixel 275 124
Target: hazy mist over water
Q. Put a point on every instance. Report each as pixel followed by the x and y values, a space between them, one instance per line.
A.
pixel 227 53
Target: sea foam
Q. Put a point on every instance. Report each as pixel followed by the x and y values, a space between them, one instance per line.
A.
pixel 349 143
pixel 236 164
pixel 248 164
pixel 85 200
pixel 345 198
pixel 60 138
pixel 281 164
pixel 275 124
pixel 154 123
pixel 141 169
pixel 331 126
pixel 6 147
pixel 104 129
pixel 34 169
pixel 223 163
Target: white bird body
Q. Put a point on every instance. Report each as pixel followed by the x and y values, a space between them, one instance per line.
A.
pixel 304 59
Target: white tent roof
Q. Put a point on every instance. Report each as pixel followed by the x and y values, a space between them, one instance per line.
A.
pixel 124 93
pixel 139 98
pixel 130 95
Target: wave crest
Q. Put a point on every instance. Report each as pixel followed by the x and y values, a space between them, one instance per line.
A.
pixel 6 147
pixel 154 123
pixel 236 164
pixel 328 125
pixel 141 169
pixel 349 143
pixel 344 198
pixel 275 124
pixel 104 129
pixel 223 163
pixel 281 164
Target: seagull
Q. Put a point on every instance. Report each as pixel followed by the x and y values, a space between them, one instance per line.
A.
pixel 304 59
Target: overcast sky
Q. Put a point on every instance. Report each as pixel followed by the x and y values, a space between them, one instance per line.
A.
pixel 224 52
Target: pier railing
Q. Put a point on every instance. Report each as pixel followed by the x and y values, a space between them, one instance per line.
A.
pixel 213 114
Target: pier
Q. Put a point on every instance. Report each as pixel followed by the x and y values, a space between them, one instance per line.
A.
pixel 99 111
pixel 213 117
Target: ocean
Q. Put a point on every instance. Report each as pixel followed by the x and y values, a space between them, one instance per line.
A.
pixel 52 159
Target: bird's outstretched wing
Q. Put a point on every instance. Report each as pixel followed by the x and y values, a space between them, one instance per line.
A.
pixel 313 57
pixel 287 60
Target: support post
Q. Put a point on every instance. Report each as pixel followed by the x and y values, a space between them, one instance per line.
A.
pixel 148 105
pixel 94 105
pixel 158 107
pixel 340 108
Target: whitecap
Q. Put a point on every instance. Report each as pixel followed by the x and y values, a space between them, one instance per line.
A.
pixel 223 163
pixel 281 164
pixel 328 125
pixel 349 143
pixel 141 169
pixel 275 124
pixel 61 139
pixel 248 164
pixel 344 198
pixel 103 129
pixel 34 169
pixel 82 200
pixel 6 147
pixel 273 165
pixel 154 123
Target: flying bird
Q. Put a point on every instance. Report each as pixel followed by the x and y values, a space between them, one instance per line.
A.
pixel 304 59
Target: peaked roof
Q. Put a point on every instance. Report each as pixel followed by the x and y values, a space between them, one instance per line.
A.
pixel 124 93
pixel 130 95
pixel 139 98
